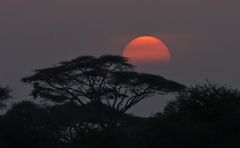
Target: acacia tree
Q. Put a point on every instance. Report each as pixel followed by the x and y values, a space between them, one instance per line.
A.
pixel 108 80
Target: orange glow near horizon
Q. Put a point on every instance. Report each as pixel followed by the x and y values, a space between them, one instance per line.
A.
pixel 147 49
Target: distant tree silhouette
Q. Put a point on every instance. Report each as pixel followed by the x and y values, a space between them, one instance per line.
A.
pixel 208 102
pixel 4 95
pixel 202 116
pixel 26 125
pixel 108 80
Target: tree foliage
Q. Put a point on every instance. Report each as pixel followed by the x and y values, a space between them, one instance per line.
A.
pixel 201 116
pixel 4 95
pixel 208 101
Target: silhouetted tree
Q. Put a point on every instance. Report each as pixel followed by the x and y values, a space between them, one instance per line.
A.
pixel 4 95
pixel 26 124
pixel 205 102
pixel 202 116
pixel 108 80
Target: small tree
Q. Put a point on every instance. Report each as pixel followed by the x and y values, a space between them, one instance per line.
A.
pixel 4 95
pixel 109 80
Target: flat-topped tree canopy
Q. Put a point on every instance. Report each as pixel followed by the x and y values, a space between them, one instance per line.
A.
pixel 81 66
pixel 108 79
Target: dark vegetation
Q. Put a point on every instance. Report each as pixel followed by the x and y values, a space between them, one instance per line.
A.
pixel 87 100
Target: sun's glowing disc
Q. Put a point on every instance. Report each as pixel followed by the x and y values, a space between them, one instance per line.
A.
pixel 147 49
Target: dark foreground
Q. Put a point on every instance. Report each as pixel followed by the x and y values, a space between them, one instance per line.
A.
pixel 203 116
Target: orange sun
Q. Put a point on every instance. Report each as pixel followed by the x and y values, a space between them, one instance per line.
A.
pixel 147 49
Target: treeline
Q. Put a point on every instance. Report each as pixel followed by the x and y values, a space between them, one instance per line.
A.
pixel 86 100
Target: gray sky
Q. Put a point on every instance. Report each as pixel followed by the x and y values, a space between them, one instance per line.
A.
pixel 202 35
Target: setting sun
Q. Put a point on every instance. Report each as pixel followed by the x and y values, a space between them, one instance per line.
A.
pixel 147 49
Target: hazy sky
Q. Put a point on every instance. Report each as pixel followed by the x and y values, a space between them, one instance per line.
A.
pixel 202 35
